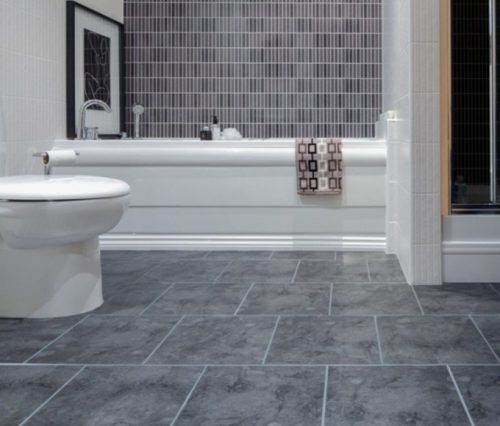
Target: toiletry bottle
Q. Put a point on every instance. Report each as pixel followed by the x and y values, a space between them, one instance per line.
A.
pixel 216 130
pixel 206 134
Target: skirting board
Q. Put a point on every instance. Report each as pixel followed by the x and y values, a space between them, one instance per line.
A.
pixel 241 242
pixel 471 261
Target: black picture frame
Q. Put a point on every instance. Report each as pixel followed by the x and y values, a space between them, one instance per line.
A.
pixel 72 8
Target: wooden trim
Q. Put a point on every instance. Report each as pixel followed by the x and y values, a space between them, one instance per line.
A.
pixel 445 104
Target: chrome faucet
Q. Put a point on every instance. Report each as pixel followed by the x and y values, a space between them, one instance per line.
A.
pixel 89 132
pixel 138 110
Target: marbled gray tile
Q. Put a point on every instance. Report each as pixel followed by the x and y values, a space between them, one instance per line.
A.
pixel 490 327
pixel 189 270
pixel 239 255
pixel 24 388
pixel 251 396
pixel 120 396
pixel 480 387
pixel 216 340
pixel 432 340
pixel 276 271
pixel 386 271
pixel 304 255
pixel 325 271
pixel 392 396
pixel 108 340
pixel 375 299
pixel 175 255
pixel 22 338
pixel 459 299
pixel 128 268
pixel 324 340
pixel 199 299
pixel 121 255
pixel 349 257
pixel 130 299
pixel 295 299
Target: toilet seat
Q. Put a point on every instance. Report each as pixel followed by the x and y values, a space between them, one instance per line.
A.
pixel 60 188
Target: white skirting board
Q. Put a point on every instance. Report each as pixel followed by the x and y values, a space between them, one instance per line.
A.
pixel 241 242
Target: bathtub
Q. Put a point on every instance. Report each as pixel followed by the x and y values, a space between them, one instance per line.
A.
pixel 192 194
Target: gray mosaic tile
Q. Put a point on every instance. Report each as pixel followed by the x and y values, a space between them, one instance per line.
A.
pixel 24 388
pixel 392 396
pixel 459 299
pixel 480 387
pixel 490 326
pixel 108 340
pixel 324 340
pixel 216 340
pixel 256 396
pixel 375 299
pixel 432 340
pixel 22 338
pixel 199 299
pixel 337 272
pixel 248 271
pixel 281 299
pixel 120 396
pixel 189 271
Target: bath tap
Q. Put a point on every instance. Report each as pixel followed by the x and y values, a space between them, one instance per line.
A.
pixel 138 110
pixel 89 132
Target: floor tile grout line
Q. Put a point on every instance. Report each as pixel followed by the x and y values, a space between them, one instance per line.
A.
pixel 460 396
pixel 494 288
pixel 163 340
pixel 188 397
pixel 156 299
pixel 244 298
pixel 325 392
pixel 331 300
pixel 417 299
pixel 271 340
pixel 379 343
pixel 295 272
pixel 56 339
pixel 222 272
pixel 52 396
pixel 270 256
pixel 484 338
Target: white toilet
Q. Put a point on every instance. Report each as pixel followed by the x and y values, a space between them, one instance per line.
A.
pixel 49 248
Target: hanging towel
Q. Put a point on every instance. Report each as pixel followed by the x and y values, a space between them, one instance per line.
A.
pixel 319 166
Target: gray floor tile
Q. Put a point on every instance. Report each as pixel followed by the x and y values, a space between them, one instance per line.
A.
pixel 375 299
pixel 239 255
pixel 130 299
pixel 324 340
pixel 199 299
pixel 490 327
pixel 276 271
pixel 392 396
pixel 120 396
pixel 432 340
pixel 480 387
pixel 129 268
pixel 24 388
pixel 20 339
pixel 216 340
pixel 386 271
pixel 175 255
pixel 122 255
pixel 459 299
pixel 108 340
pixel 358 256
pixel 295 299
pixel 304 255
pixel 256 396
pixel 325 271
pixel 189 270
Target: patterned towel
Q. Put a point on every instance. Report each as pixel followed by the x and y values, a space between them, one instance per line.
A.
pixel 319 166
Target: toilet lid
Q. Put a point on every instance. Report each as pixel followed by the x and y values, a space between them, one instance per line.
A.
pixel 60 188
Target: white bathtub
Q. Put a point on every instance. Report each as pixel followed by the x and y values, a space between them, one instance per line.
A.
pixel 236 195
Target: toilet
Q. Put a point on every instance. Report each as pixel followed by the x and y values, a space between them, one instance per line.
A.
pixel 49 242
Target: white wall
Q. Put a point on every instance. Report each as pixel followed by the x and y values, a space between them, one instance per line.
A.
pixel 111 8
pixel 411 92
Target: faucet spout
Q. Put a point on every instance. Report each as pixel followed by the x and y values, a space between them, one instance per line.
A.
pixel 82 129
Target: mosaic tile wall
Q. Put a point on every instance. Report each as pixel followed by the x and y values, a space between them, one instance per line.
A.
pixel 273 68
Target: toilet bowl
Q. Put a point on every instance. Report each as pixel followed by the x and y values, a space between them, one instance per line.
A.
pixel 49 242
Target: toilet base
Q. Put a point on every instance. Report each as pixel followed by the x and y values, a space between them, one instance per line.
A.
pixel 50 282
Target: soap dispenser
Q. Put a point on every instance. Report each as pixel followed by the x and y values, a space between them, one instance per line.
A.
pixel 216 129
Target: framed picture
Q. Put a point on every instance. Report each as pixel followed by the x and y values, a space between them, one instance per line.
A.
pixel 94 70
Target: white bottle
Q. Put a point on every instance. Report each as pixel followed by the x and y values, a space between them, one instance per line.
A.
pixel 216 130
